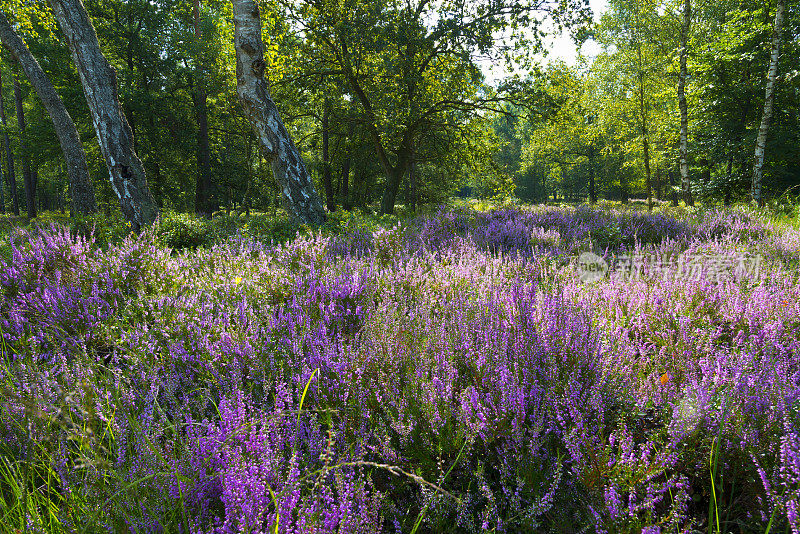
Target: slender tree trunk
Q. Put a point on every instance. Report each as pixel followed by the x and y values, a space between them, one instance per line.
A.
pixel 659 185
pixel 330 198
pixel 83 194
pixel 10 176
pixel 27 177
pixel 671 175
pixel 394 176
pixel 298 196
pixel 729 182
pixel 592 190
pixel 686 186
pixel 769 97
pixel 99 81
pixel 392 187
pixel 412 182
pixel 346 199
pixel 623 182
pixel 202 202
pixel 347 202
pixel 645 140
pixel 359 188
pixel 37 199
pixel 648 182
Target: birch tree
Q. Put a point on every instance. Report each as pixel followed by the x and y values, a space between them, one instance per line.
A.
pixel 769 97
pixel 99 81
pixel 298 196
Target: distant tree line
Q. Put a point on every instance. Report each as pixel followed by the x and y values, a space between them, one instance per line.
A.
pixel 688 100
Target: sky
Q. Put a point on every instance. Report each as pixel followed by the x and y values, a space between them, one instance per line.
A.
pixel 560 46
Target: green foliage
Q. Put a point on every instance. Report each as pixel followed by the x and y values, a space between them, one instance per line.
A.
pixel 180 231
pixel 223 225
pixel 106 229
pixel 271 229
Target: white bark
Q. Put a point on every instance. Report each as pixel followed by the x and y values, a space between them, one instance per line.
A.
pixel 769 97
pixel 99 81
pixel 298 196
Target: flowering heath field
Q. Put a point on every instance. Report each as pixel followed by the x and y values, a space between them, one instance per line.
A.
pixel 513 371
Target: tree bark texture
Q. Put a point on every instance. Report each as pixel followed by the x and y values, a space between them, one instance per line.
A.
pixel 389 197
pixel 686 185
pixel 27 177
pixel 769 97
pixel 11 179
pixel 202 199
pixel 99 81
pixel 298 196
pixel 83 198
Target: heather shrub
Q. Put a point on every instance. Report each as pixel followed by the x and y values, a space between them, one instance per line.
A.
pixel 738 223
pixel 449 373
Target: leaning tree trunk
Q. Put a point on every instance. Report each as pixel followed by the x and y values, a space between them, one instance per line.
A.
pixel 769 97
pixel 82 193
pixel 99 80
pixel 27 177
pixel 686 186
pixel 298 196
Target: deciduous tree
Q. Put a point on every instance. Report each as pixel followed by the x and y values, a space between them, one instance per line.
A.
pixel 99 81
pixel 297 191
pixel 83 198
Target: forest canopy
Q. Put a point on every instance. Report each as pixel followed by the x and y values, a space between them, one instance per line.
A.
pixel 388 102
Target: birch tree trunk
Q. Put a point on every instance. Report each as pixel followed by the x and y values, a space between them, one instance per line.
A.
pixel 298 196
pixel 769 97
pixel 686 186
pixel 99 81
pixel 83 199
pixel 10 177
pixel 27 177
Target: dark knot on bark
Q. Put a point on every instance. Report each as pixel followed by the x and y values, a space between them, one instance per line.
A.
pixel 258 67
